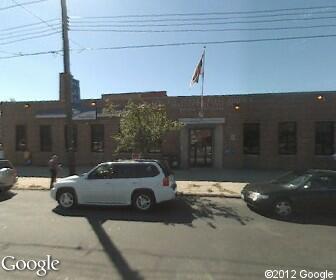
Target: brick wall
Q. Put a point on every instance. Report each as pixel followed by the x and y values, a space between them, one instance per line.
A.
pixel 266 109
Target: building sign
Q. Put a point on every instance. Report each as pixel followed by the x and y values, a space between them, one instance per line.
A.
pixel 79 112
pixel 75 92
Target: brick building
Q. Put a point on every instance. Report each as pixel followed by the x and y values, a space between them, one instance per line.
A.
pixel 283 130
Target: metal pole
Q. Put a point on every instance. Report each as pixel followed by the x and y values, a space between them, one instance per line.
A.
pixel 202 102
pixel 67 88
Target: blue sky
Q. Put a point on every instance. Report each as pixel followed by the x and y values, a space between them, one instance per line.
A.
pixel 237 68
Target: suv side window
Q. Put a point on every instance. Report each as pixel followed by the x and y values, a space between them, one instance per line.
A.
pixel 121 171
pixel 101 172
pixel 145 170
pixel 134 170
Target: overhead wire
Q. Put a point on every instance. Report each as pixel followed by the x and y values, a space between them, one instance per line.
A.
pixel 202 23
pixel 210 13
pixel 205 30
pixel 74 20
pixel 42 20
pixel 21 33
pixel 24 26
pixel 22 4
pixel 178 44
pixel 29 38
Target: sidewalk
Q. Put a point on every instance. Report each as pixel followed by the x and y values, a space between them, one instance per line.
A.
pixel 201 182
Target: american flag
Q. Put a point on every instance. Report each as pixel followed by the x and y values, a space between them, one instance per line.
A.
pixel 198 71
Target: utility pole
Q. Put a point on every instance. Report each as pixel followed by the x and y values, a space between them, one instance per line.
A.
pixel 66 87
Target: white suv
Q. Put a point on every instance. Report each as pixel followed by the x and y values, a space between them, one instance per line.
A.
pixel 140 183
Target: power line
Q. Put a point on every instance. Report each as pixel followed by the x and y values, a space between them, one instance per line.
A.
pixel 212 42
pixel 22 4
pixel 203 23
pixel 28 25
pixel 42 32
pixel 33 14
pixel 205 30
pixel 210 13
pixel 177 44
pixel 32 54
pixel 197 19
pixel 20 33
pixel 40 19
pixel 30 38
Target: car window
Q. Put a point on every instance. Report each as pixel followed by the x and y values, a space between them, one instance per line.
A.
pixel 101 172
pixel 5 164
pixel 323 181
pixel 165 168
pixel 122 171
pixel 146 170
pixel 134 170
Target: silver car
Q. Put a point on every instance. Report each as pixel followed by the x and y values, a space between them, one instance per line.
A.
pixel 8 175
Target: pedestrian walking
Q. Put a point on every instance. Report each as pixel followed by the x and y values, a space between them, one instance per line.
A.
pixel 53 167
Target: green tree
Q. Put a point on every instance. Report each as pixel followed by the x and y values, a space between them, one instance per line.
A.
pixel 142 126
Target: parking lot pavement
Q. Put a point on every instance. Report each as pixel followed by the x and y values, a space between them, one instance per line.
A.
pixel 189 238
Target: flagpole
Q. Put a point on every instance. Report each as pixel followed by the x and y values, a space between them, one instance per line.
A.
pixel 202 102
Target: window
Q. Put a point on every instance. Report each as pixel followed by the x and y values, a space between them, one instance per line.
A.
pixel 251 140
pixel 324 138
pixel 145 170
pixel 101 172
pixel 134 170
pixel 45 138
pixel 21 138
pixel 97 138
pixel 74 129
pixel 323 181
pixel 287 138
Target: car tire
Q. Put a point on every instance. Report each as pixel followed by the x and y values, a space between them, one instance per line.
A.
pixel 283 208
pixel 143 200
pixel 67 199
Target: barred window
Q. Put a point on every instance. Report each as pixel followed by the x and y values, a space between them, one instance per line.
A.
pixel 251 140
pixel 287 138
pixel 45 138
pixel 97 138
pixel 324 138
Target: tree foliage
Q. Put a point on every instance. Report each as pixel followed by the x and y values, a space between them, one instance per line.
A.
pixel 142 127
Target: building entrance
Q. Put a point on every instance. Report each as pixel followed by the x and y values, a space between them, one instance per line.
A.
pixel 201 147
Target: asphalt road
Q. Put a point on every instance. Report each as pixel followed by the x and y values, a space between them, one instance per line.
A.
pixel 190 238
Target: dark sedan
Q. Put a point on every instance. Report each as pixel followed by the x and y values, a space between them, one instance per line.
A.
pixel 310 190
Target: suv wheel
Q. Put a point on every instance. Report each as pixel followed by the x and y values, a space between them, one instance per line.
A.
pixel 143 201
pixel 283 208
pixel 67 199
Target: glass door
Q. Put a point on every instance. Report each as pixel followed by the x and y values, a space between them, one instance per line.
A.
pixel 200 147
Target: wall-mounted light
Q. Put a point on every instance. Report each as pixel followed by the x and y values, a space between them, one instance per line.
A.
pixel 236 107
pixel 94 104
pixel 320 97
pixel 27 106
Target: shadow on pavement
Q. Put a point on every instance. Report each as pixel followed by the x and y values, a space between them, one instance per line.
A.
pixel 322 218
pixel 183 210
pixel 180 211
pixel 6 196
